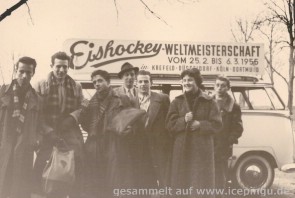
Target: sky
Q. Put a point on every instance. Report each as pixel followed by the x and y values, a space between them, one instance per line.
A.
pixel 51 23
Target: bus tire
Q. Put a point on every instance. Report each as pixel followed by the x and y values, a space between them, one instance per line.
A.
pixel 253 172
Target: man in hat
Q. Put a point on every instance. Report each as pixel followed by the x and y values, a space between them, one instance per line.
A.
pixel 63 100
pixel 20 131
pixel 128 75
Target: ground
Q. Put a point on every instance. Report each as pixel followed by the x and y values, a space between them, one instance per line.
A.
pixel 285 181
pixel 282 181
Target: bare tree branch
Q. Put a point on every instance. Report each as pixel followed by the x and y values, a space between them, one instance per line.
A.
pixel 232 32
pixel 246 29
pixel 268 72
pixel 265 34
pixel 29 11
pixel 286 16
pixel 279 8
pixel 279 42
pixel 153 13
pixel 276 9
pixel 117 12
pixel 11 9
pixel 281 48
pixel 276 71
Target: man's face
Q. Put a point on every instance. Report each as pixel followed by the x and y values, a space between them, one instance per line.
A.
pixel 189 84
pixel 144 84
pixel 220 87
pixel 60 68
pixel 129 78
pixel 24 73
pixel 100 83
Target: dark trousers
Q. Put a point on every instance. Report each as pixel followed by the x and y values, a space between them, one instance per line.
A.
pixel 221 173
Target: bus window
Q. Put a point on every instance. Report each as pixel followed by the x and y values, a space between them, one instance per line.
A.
pixel 240 99
pixel 257 98
pixel 274 98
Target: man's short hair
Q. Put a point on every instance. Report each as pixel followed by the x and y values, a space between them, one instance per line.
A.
pixel 27 60
pixel 144 72
pixel 103 74
pixel 61 56
pixel 225 79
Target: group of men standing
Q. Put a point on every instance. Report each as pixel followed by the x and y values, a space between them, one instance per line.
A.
pixel 138 156
pixel 34 120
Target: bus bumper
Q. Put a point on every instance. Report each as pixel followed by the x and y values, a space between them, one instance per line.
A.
pixel 288 168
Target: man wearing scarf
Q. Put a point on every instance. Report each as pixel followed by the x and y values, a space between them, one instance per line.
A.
pixel 20 131
pixel 115 159
pixel 63 98
pixel 230 132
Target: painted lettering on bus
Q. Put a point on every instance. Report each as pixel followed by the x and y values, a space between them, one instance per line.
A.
pixel 87 53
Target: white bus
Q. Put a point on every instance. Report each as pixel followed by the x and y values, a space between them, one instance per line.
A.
pixel 267 141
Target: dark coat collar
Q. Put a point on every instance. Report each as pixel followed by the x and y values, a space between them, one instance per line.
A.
pixel 113 94
pixel 229 103
pixel 201 95
pixel 155 102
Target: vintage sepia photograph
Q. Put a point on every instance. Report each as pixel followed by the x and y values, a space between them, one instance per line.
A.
pixel 147 98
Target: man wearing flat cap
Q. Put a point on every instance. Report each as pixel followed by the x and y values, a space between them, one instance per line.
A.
pixel 128 75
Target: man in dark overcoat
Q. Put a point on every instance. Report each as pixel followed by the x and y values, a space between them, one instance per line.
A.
pixel 20 131
pixel 230 132
pixel 160 143
pixel 115 159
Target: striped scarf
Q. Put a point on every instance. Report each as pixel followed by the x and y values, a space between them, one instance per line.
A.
pixel 98 105
pixel 52 107
pixel 19 111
